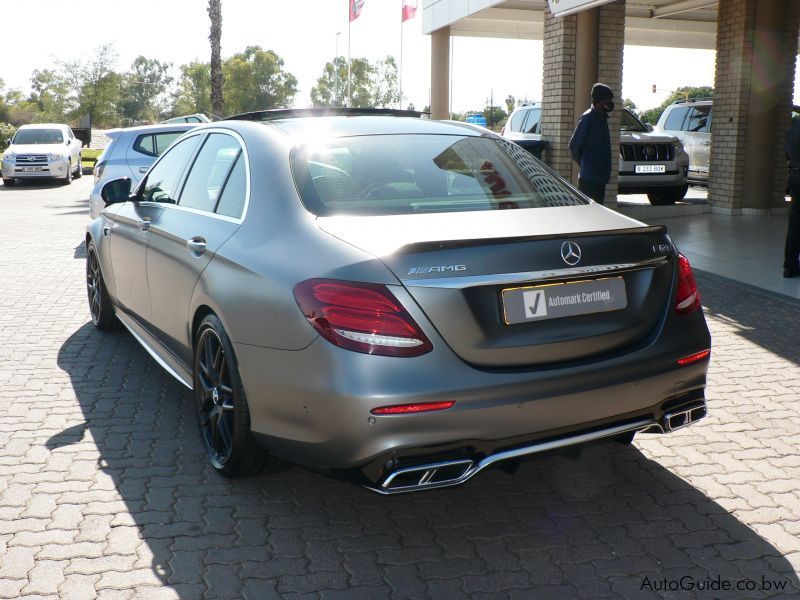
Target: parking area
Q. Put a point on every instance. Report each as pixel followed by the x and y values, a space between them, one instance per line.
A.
pixel 105 492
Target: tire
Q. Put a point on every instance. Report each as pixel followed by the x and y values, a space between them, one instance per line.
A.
pixel 68 177
pixel 222 412
pixel 8 182
pixel 625 438
pixel 100 307
pixel 667 196
pixel 79 170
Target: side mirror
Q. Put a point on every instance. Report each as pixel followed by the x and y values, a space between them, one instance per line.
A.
pixel 116 190
pixel 648 127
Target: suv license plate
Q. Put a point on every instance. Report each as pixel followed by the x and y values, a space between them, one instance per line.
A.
pixel 556 300
pixel 651 168
pixel 31 169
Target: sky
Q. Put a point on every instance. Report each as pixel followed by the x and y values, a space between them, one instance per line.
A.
pixel 307 34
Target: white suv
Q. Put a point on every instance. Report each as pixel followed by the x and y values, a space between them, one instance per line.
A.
pixel 649 163
pixel 45 150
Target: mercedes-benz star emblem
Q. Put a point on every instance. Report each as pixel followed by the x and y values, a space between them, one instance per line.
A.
pixel 571 253
pixel 215 396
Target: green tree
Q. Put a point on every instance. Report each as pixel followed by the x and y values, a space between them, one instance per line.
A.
pixel 495 116
pixel 217 71
pixel 331 86
pixel 50 93
pixel 194 89
pixel 629 104
pixel 510 104
pixel 95 86
pixel 682 93
pixel 385 83
pixel 143 89
pixel 255 80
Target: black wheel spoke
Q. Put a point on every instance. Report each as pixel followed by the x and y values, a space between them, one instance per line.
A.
pixel 226 441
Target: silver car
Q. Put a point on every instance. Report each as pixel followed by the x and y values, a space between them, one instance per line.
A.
pixel 649 163
pixel 404 300
pixel 130 153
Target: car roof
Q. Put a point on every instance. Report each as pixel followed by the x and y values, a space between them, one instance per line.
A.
pixel 43 126
pixel 152 128
pixel 346 122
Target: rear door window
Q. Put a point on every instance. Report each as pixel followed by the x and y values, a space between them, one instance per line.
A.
pixel 699 120
pixel 209 173
pixel 161 184
pixel 533 121
pixel 154 144
pixel 675 118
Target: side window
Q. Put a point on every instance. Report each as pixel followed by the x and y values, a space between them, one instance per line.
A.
pixel 517 119
pixel 231 202
pixel 145 144
pixel 699 120
pixel 161 184
pixel 210 172
pixel 532 122
pixel 675 118
pixel 161 141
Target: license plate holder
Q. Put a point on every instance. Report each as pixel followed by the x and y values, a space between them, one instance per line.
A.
pixel 651 169
pixel 558 300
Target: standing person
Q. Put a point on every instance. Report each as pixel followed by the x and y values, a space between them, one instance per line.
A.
pixel 791 263
pixel 590 144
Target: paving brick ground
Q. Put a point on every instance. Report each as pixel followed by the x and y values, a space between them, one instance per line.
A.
pixel 104 492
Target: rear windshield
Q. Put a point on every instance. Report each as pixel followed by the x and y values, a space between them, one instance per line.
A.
pixel 39 136
pixel 404 174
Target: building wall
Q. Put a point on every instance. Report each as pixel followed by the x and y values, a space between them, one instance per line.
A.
pixel 561 65
pixel 754 85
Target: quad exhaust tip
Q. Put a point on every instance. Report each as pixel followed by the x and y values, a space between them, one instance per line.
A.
pixel 454 472
pixel 685 415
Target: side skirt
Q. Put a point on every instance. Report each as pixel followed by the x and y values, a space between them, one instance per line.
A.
pixel 156 349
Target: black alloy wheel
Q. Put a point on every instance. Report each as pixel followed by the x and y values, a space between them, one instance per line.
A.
pixel 100 306
pixel 222 411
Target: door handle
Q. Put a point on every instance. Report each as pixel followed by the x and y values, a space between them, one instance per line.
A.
pixel 143 169
pixel 196 245
pixel 144 224
pixel 106 231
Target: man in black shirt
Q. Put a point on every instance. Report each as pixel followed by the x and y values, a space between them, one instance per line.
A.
pixel 791 266
pixel 590 145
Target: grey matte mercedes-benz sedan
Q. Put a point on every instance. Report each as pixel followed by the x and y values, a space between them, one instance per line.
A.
pixel 400 299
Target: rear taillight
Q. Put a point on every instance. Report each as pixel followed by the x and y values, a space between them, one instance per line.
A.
pixel 98 171
pixel 363 317
pixel 688 296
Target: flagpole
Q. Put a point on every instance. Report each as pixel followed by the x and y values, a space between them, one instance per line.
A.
pixel 402 22
pixel 349 22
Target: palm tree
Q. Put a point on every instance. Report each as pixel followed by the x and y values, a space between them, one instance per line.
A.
pixel 215 13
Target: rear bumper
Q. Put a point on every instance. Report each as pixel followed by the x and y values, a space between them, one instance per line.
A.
pixel 313 406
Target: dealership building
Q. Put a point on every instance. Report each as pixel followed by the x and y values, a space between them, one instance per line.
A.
pixel 756 43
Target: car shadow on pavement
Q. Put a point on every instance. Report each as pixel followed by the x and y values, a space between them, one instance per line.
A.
pixel 608 524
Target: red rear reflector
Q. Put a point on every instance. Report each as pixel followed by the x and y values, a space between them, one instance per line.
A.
pixel 402 409
pixel 693 358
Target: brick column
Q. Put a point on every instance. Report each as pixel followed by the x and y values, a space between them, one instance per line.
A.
pixel 756 50
pixel 565 40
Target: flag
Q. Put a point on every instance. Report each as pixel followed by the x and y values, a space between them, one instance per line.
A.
pixel 355 8
pixel 409 9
